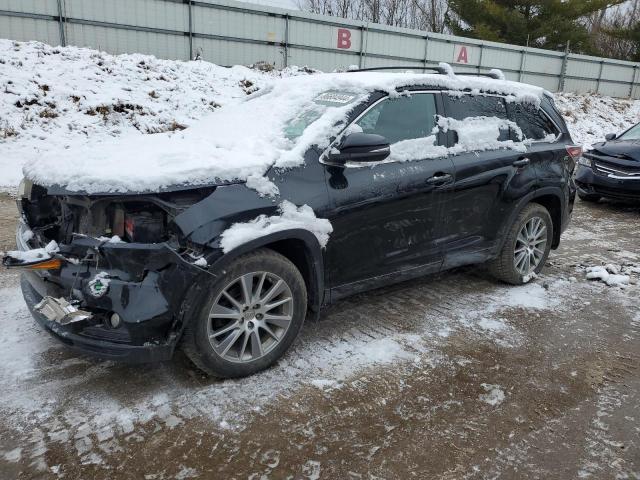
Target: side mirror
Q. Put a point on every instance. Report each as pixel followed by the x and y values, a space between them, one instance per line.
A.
pixel 610 136
pixel 362 147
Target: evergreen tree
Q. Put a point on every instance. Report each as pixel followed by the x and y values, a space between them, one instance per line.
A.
pixel 545 23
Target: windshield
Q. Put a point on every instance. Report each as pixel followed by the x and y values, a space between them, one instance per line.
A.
pixel 632 134
pixel 297 125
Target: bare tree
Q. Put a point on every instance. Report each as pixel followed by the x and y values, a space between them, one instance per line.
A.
pixel 601 24
pixel 426 15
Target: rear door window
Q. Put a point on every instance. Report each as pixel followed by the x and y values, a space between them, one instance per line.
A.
pixel 468 106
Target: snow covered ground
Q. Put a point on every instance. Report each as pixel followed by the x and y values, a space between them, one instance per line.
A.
pixel 53 99
pixel 542 379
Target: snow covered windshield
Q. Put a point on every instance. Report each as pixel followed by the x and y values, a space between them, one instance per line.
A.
pixel 297 125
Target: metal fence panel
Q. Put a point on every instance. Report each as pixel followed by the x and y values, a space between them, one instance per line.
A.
pixel 229 32
pixel 505 59
pixel 615 89
pixel 397 47
pixel 241 25
pixel 142 13
pixel 26 29
pixel 617 72
pixel 580 85
pixel 329 37
pixel 325 61
pixel 581 68
pixel 128 41
pixel 40 7
pixel 225 52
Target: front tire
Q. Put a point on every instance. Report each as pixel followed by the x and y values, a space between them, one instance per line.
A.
pixel 249 317
pixel 526 247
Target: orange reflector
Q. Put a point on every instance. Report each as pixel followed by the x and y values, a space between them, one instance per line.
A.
pixel 51 264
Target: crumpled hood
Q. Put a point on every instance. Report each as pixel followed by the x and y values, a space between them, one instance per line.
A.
pixel 622 149
pixel 66 190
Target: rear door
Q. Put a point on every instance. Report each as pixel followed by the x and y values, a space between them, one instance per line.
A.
pixel 387 216
pixel 546 153
pixel 490 175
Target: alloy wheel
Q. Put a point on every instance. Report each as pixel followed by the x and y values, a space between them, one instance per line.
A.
pixel 530 246
pixel 250 316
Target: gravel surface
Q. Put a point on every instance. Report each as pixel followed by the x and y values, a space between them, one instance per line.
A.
pixel 450 377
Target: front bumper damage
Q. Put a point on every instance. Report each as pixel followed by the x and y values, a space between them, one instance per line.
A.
pixel 145 287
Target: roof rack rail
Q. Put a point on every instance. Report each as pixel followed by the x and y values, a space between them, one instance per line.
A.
pixel 401 67
pixel 496 75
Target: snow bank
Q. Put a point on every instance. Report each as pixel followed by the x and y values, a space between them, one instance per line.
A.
pixel 291 217
pixel 590 117
pixel 54 98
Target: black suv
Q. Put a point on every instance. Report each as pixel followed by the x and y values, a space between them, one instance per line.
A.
pixel 435 172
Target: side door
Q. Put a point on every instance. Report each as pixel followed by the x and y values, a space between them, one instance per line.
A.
pixel 492 172
pixel 387 216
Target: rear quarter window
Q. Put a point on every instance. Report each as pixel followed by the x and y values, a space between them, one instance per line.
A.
pixel 533 122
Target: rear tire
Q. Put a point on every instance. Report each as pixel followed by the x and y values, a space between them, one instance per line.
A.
pixel 526 248
pixel 249 316
pixel 591 198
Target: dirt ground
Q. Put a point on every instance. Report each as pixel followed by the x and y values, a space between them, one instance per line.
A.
pixel 450 377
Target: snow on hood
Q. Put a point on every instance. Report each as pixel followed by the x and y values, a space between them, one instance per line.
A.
pixel 241 142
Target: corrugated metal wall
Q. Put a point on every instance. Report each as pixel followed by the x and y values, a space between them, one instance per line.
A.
pixel 228 32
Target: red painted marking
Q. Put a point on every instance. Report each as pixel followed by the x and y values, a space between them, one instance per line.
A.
pixel 462 55
pixel 344 38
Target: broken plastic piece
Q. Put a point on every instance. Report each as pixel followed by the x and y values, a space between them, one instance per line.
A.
pixel 60 310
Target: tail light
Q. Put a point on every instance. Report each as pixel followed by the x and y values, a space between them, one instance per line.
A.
pixel 574 151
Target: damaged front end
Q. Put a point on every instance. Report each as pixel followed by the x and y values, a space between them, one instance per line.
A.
pixel 109 275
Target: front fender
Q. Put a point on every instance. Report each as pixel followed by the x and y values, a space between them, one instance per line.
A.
pixel 203 222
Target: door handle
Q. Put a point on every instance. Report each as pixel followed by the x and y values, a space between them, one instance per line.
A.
pixel 440 179
pixel 521 162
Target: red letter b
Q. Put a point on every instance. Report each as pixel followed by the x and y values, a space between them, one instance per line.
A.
pixel 344 38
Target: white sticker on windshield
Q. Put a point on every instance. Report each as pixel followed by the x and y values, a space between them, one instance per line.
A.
pixel 335 97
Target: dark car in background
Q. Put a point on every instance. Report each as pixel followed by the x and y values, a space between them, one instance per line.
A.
pixel 612 168
pixel 503 201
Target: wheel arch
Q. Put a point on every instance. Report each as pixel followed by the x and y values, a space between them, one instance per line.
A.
pixel 551 199
pixel 299 246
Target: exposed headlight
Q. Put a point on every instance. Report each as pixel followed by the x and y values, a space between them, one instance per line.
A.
pixel 585 162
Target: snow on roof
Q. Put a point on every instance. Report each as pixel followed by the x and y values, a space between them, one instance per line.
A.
pixel 244 140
